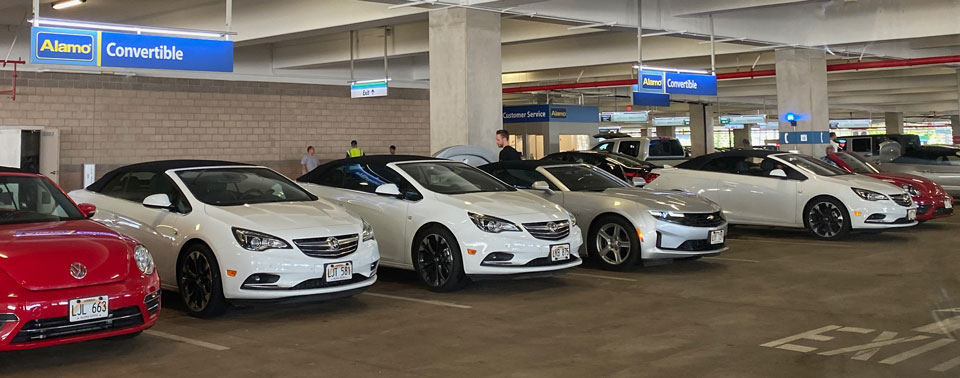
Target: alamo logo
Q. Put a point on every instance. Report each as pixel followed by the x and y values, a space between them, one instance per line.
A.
pixel 64 46
pixel 558 113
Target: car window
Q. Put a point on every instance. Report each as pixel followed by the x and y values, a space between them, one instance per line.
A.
pixel 631 148
pixel 608 146
pixel 131 186
pixel 630 161
pixel 240 186
pixel 812 165
pixel 521 178
pixel 666 147
pixel 453 178
pixel 727 164
pixel 580 178
pixel 857 164
pixel 353 177
pixel 860 145
pixel 33 199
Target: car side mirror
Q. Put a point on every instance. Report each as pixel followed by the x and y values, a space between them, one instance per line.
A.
pixel 541 185
pixel 391 190
pixel 157 201
pixel 87 209
pixel 778 173
pixel 639 182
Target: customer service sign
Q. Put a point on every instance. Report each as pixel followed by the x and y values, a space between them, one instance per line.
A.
pixel 106 49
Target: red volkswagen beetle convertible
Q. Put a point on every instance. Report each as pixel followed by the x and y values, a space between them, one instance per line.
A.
pixel 65 278
pixel 931 199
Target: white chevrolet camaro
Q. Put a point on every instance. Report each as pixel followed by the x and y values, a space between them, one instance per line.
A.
pixel 449 221
pixel 791 190
pixel 225 232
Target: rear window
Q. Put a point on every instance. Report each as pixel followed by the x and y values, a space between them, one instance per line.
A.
pixel 666 148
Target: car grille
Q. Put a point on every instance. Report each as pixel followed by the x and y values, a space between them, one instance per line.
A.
pixel 902 199
pixel 703 220
pixel 318 283
pixel 545 261
pixel 332 246
pixel 152 302
pixel 54 328
pixel 701 245
pixel 943 211
pixel 543 230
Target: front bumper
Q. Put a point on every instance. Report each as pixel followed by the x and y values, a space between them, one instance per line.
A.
pixel 880 215
pixel 674 241
pixel 42 316
pixel 933 209
pixel 299 275
pixel 529 255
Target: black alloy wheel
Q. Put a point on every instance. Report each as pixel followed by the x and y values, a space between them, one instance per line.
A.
pixel 198 278
pixel 437 260
pixel 826 218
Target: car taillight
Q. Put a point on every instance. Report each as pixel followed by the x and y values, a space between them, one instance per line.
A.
pixel 651 176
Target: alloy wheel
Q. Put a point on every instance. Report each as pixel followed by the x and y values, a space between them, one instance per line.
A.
pixel 196 281
pixel 613 244
pixel 435 259
pixel 825 219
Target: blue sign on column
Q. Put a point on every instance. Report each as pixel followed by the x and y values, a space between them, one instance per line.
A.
pixel 804 137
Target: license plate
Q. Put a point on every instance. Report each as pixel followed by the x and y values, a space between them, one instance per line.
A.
pixel 912 214
pixel 716 237
pixel 89 308
pixel 948 203
pixel 560 252
pixel 339 271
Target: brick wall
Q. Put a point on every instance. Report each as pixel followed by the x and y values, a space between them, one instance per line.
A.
pixel 113 120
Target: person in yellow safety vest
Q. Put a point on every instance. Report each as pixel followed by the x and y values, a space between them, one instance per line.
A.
pixel 354 151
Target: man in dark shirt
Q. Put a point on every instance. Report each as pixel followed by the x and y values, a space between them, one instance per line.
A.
pixel 507 152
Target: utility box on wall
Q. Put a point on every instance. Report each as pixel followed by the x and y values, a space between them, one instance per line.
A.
pixel 539 130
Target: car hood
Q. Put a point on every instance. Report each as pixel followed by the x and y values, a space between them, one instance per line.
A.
pixel 271 217
pixel 665 200
pixel 863 182
pixel 38 256
pixel 926 187
pixel 500 204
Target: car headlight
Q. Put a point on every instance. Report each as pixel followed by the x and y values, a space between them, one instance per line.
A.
pixel 258 241
pixel 914 192
pixel 367 233
pixel 144 259
pixel 492 224
pixel 573 218
pixel 870 195
pixel 668 216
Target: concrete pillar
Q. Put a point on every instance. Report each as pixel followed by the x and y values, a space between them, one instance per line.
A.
pixel 955 125
pixel 666 131
pixel 894 122
pixel 466 106
pixel 701 129
pixel 644 132
pixel 802 90
pixel 739 135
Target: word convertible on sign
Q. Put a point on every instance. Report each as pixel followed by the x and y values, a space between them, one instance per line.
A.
pixel 104 49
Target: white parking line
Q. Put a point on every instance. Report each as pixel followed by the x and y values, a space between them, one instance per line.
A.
pixel 599 276
pixel 425 301
pixel 729 259
pixel 807 243
pixel 202 344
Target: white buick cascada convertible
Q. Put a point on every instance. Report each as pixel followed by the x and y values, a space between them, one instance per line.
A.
pixel 226 232
pixel 449 221
pixel 791 190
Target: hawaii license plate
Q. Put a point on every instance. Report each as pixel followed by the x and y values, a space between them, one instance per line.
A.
pixel 716 237
pixel 339 271
pixel 912 214
pixel 560 252
pixel 89 308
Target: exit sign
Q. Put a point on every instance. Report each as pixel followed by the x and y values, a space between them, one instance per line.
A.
pixel 373 88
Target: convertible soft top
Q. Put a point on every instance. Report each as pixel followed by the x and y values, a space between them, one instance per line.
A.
pixel 158 167
pixel 364 160
pixel 699 161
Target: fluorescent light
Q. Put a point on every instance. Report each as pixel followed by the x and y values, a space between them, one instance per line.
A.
pixel 129 28
pixel 67 4
pixel 722 40
pixel 663 33
pixel 594 25
pixel 372 81
pixel 412 3
pixel 665 69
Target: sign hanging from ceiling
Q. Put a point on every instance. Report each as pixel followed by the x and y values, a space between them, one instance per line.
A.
pixel 625 117
pixel 107 49
pixel 805 137
pixel 677 83
pixel 671 121
pixel 743 119
pixel 375 88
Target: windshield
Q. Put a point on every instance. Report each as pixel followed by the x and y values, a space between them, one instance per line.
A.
pixel 812 165
pixel 33 199
pixel 453 178
pixel 857 164
pixel 239 186
pixel 579 178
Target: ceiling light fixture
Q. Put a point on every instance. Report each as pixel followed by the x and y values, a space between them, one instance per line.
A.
pixel 665 69
pixel 130 28
pixel 67 4
pixel 412 3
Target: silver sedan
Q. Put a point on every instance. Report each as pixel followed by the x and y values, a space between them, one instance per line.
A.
pixel 625 225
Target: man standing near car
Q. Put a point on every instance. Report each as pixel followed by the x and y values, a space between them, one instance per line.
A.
pixel 507 152
pixel 354 151
pixel 309 161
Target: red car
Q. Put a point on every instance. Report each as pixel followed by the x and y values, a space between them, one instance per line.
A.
pixel 63 277
pixel 931 199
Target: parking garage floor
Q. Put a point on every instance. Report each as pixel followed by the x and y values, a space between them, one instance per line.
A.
pixel 777 304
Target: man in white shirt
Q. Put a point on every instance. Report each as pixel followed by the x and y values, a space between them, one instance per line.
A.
pixel 309 161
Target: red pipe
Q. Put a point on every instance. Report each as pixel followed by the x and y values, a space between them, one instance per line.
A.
pixel 753 74
pixel 12 92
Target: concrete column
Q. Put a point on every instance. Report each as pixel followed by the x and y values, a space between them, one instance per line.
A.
pixel 701 129
pixel 802 90
pixel 894 122
pixel 739 135
pixel 955 125
pixel 666 131
pixel 466 106
pixel 645 132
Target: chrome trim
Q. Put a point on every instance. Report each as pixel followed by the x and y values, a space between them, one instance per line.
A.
pixel 83 324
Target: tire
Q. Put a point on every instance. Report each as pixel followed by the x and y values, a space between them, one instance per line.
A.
pixel 437 259
pixel 125 337
pixel 827 219
pixel 614 243
pixel 198 278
